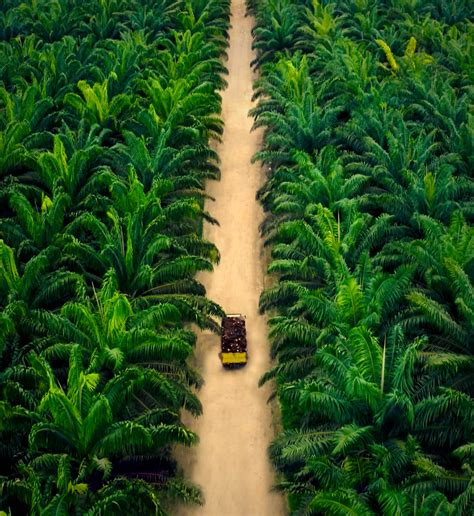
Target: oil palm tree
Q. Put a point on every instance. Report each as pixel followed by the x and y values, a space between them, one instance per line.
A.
pixel 81 434
pixel 15 159
pixel 77 175
pixel 38 284
pixel 187 165
pixel 185 105
pixel 149 262
pixel 37 223
pixel 114 337
pixel 360 427
pixel 51 21
pixel 193 57
pixel 408 175
pixel 210 18
pixel 304 126
pixel 294 193
pixel 29 105
pixel 441 299
pixel 276 31
pixel 96 105
pixel 442 108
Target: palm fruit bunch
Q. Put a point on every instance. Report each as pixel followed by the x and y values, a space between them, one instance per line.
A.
pixel 233 337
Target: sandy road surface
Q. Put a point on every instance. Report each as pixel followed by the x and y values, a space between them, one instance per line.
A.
pixel 231 463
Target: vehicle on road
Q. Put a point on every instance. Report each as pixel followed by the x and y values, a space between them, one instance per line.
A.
pixel 233 341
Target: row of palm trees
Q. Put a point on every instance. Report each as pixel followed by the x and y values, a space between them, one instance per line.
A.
pixel 107 114
pixel 368 147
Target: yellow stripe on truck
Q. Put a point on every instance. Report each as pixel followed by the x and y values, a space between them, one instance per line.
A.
pixel 234 358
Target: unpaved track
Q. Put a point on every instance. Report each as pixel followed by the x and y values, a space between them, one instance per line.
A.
pixel 231 463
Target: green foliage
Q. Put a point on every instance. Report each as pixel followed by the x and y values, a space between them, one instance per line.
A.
pixel 366 111
pixel 107 115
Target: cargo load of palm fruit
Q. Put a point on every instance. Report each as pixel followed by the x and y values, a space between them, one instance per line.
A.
pixel 233 337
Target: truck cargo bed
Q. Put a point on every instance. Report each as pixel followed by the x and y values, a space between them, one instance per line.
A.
pixel 233 341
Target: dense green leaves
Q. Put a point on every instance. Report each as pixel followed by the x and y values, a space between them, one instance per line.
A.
pixel 107 114
pixel 368 196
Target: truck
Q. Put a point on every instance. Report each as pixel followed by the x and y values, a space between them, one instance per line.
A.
pixel 233 341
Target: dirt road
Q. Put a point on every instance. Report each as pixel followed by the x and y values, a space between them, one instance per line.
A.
pixel 231 463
